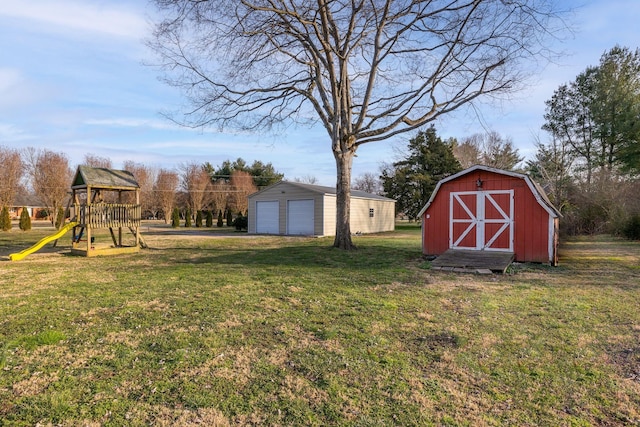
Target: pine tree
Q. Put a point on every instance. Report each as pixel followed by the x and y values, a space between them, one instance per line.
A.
pixel 412 180
pixel 25 220
pixel 220 221
pixel 229 218
pixel 175 218
pixel 209 218
pixel 199 219
pixel 5 219
pixel 187 217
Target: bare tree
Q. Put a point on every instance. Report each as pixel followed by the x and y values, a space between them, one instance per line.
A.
pixel 50 178
pixel 96 161
pixel 365 69
pixel 144 176
pixel 12 168
pixel 242 186
pixel 220 192
pixel 468 152
pixel 306 179
pixel 196 182
pixel 489 149
pixel 369 183
pixel 164 190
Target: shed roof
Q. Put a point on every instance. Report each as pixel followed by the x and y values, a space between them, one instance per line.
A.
pixel 535 188
pixel 104 178
pixel 321 189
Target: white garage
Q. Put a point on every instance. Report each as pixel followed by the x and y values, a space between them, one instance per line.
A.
pixel 292 208
pixel 300 217
pixel 269 217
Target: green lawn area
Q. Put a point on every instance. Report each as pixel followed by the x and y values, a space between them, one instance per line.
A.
pixel 215 329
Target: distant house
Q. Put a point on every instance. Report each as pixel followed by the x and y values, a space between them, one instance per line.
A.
pixel 36 209
pixel 292 208
pixel 488 209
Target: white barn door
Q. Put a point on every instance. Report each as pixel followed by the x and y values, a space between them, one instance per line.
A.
pixel 481 220
pixel 300 218
pixel 268 217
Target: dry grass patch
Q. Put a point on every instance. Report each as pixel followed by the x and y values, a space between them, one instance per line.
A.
pixel 281 331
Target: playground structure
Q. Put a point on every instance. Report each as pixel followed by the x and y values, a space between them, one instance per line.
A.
pixel 52 238
pixel 98 202
pixel 97 197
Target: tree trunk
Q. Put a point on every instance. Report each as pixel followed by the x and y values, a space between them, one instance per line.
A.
pixel 344 161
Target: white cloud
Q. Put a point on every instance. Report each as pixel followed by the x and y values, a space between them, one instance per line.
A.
pixel 134 123
pixel 11 135
pixel 16 91
pixel 74 16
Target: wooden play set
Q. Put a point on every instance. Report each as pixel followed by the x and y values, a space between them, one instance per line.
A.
pixel 105 199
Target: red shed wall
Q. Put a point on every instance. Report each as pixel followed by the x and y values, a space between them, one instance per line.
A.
pixel 531 221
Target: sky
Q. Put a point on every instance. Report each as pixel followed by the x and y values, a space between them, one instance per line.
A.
pixel 74 78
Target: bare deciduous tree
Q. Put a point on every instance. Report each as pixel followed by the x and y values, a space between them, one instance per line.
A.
pixel 220 192
pixel 368 182
pixel 489 149
pixel 164 190
pixel 365 69
pixel 306 179
pixel 242 186
pixel 12 169
pixel 468 152
pixel 196 182
pixel 144 176
pixel 96 161
pixel 50 178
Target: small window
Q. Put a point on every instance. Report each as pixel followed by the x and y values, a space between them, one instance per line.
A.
pixel 371 212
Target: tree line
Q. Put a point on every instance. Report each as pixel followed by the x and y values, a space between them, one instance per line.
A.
pixel 589 167
pixel 192 189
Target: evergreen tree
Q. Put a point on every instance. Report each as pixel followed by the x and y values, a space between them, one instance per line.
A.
pixel 220 221
pixel 412 180
pixel 175 218
pixel 25 220
pixel 187 217
pixel 199 219
pixel 209 218
pixel 229 218
pixel 5 219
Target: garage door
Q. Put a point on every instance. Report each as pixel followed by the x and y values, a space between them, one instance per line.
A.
pixel 300 217
pixel 481 220
pixel 267 217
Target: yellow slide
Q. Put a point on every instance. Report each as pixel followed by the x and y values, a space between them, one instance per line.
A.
pixel 58 234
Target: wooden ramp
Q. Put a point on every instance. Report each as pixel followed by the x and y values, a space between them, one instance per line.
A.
pixel 468 261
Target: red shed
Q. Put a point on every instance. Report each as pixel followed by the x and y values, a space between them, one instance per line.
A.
pixel 488 209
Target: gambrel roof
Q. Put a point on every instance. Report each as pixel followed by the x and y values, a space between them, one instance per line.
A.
pixel 537 191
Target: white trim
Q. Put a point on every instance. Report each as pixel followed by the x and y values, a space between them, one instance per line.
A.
pixel 552 240
pixel 478 219
pixel 536 192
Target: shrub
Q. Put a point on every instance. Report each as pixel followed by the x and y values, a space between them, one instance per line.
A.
pixel 187 217
pixel 632 228
pixel 25 220
pixel 5 219
pixel 241 222
pixel 220 222
pixel 175 218
pixel 229 218
pixel 209 218
pixel 199 219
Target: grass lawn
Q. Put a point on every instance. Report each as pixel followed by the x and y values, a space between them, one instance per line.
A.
pixel 206 329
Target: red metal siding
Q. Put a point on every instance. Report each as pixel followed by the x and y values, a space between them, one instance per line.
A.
pixel 530 220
